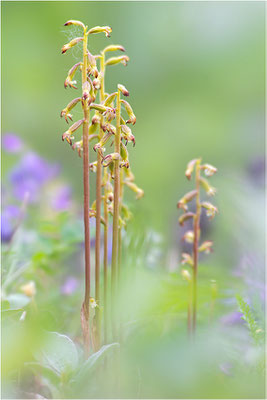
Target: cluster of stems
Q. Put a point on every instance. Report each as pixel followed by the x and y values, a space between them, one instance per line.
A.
pixel 193 236
pixel 108 127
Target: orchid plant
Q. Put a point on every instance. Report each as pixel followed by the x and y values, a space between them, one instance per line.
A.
pixel 112 171
pixel 193 236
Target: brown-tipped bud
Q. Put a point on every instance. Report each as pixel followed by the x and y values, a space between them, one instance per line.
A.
pixel 187 259
pixel 123 90
pixel 206 247
pixel 110 158
pixel 67 136
pixel 92 68
pixel 75 126
pixel 74 22
pixel 98 29
pixel 139 192
pixel 184 200
pixel 186 275
pixel 69 107
pixel 69 45
pixel 113 47
pixel 69 80
pixel 103 141
pixel 100 107
pixel 209 170
pixel 188 237
pixel 96 119
pixel 127 135
pixel 88 92
pixel 190 168
pixel 117 60
pixel 129 110
pixel 207 187
pixel 109 100
pixel 211 210
pixel 93 166
pixel 124 152
pixel 185 217
pixel 110 196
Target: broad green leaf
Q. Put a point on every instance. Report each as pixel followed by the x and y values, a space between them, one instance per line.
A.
pixel 91 363
pixel 18 301
pixel 59 353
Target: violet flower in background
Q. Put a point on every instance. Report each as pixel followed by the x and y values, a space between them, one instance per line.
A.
pixel 9 217
pixel 30 174
pixel 12 143
pixel 69 286
pixel 62 198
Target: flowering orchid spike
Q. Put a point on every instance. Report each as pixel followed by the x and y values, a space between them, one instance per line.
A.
pixel 71 44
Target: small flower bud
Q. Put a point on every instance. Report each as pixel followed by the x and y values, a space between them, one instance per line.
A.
pixel 127 134
pixel 74 22
pixel 186 275
pixel 96 83
pixel 184 200
pixel 110 158
pixel 211 209
pixel 190 168
pixel 209 170
pixel 78 146
pixel 110 114
pixel 189 237
pixel 116 60
pixel 100 107
pixel 96 119
pixel 187 259
pixel 206 247
pixel 69 45
pixel 92 302
pixel 98 29
pixel 123 90
pixel 185 217
pixel 29 289
pixel 69 80
pixel 207 187
pixel 93 166
pixel 109 100
pixel 129 110
pixel 69 107
pixel 113 47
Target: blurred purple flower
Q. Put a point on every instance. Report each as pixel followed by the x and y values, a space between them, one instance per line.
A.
pixel 30 174
pixel 12 143
pixel 8 220
pixel 70 286
pixel 62 198
pixel 232 318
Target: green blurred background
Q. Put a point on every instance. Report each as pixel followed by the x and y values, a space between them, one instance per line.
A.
pixel 196 82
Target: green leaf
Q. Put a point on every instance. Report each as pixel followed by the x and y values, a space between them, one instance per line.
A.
pixel 18 301
pixel 59 353
pixel 92 362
